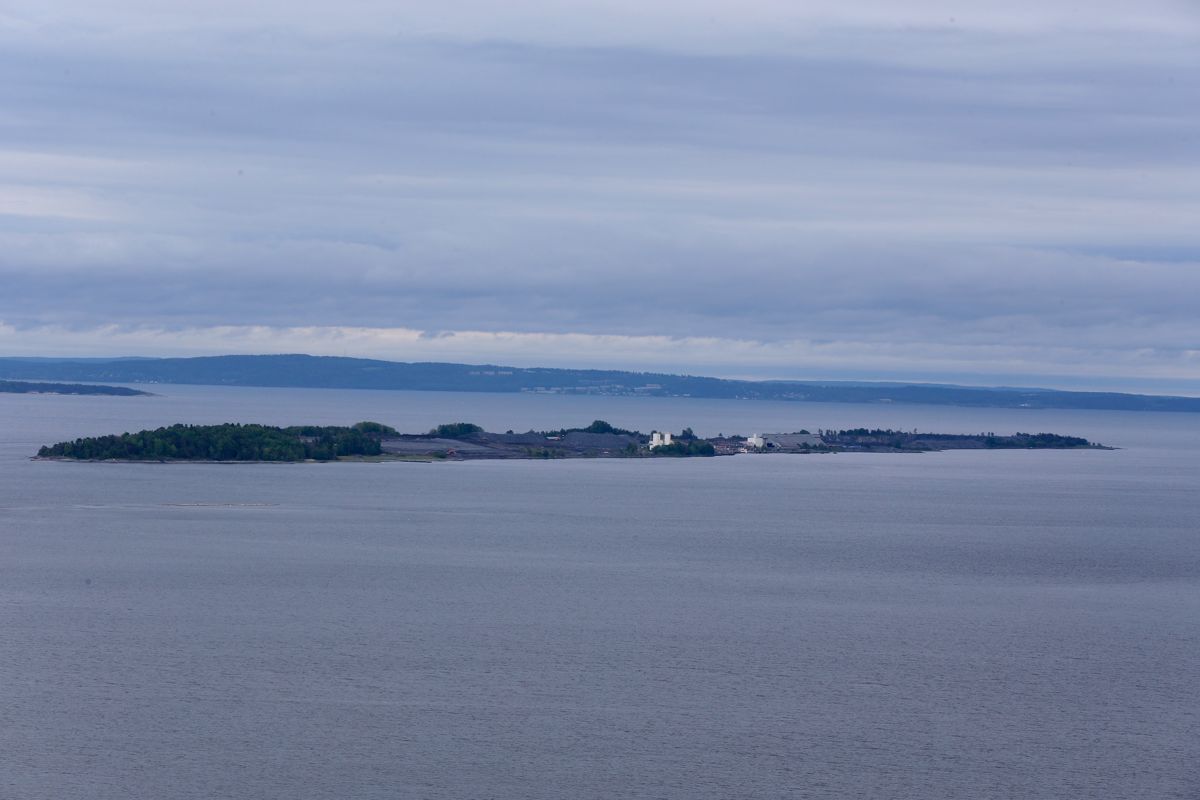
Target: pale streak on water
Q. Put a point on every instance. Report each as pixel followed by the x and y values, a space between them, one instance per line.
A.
pixel 956 625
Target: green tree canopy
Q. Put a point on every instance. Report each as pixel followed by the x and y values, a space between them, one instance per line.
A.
pixel 455 430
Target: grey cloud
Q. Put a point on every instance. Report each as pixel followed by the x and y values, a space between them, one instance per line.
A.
pixel 645 287
pixel 281 93
pixel 912 186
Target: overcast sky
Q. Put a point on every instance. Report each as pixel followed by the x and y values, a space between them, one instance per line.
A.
pixel 918 190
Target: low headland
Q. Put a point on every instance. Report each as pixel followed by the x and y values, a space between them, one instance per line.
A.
pixel 463 441
pixel 32 387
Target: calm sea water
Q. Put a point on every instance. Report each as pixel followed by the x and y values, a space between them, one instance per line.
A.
pixel 952 625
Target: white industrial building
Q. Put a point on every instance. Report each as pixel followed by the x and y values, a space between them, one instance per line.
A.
pixel 659 439
pixel 783 441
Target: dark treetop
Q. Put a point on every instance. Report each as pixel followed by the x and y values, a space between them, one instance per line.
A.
pixel 229 442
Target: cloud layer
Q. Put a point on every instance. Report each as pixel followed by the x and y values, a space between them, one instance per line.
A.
pixel 808 191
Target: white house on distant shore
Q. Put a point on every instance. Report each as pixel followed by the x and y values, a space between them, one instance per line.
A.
pixel 659 439
pixel 756 441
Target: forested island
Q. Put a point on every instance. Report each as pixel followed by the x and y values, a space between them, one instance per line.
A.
pixel 459 441
pixel 27 387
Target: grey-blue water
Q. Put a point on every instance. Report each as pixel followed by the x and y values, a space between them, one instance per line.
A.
pixel 955 625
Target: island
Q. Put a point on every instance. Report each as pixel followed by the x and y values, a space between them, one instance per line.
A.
pixel 462 441
pixel 28 387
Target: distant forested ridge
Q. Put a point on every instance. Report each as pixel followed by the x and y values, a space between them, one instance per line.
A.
pixel 228 442
pixel 358 373
pixel 26 387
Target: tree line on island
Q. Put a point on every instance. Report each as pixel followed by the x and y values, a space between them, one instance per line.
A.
pixel 462 430
pixel 229 442
pixel 914 440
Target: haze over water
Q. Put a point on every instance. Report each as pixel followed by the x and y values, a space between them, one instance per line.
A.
pixel 963 624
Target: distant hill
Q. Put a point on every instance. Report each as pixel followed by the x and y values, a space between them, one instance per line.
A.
pixel 360 373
